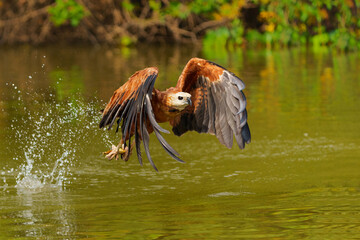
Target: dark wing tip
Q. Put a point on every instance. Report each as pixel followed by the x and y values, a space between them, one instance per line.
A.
pixel 245 133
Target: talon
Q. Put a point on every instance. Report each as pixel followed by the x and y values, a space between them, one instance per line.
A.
pixel 107 152
pixel 122 151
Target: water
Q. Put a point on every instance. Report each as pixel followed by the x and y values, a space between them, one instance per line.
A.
pixel 298 179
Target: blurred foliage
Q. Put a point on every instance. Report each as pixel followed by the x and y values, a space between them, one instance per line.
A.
pixel 319 22
pixel 284 23
pixel 279 23
pixel 216 23
pixel 66 11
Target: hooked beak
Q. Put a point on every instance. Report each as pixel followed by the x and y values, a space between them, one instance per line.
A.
pixel 189 101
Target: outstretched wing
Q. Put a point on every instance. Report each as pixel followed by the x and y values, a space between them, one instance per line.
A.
pixel 219 105
pixel 130 107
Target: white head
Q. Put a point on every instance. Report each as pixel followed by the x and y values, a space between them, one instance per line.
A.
pixel 180 100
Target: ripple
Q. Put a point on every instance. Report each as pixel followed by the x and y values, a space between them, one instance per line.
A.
pixel 226 194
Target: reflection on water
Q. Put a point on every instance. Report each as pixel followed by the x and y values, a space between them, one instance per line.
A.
pixel 33 217
pixel 298 178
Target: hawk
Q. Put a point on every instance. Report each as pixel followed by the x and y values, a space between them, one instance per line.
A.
pixel 207 98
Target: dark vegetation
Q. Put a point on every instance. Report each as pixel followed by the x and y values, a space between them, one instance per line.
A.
pixel 279 23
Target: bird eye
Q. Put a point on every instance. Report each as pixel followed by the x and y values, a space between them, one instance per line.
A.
pixel 180 97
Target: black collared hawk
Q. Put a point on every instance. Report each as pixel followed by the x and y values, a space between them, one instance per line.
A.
pixel 207 98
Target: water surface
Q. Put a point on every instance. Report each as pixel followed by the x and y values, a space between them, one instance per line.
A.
pixel 298 179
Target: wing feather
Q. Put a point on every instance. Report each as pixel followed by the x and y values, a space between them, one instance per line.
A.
pixel 151 116
pixel 157 130
pixel 137 143
pixel 220 107
pixel 146 139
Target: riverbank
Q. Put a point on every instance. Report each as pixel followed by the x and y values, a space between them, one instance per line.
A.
pixel 237 23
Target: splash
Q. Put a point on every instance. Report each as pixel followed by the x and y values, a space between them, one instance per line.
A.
pixel 31 179
pixel 47 136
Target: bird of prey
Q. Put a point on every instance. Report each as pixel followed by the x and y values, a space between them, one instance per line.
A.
pixel 207 98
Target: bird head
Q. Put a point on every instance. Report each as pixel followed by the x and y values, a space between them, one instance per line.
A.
pixel 179 100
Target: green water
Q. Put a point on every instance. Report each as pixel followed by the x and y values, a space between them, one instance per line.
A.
pixel 298 179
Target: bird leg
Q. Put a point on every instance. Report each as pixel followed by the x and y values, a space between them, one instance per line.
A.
pixel 121 149
pixel 116 150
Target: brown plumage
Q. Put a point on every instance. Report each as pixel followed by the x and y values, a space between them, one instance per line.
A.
pixel 207 99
